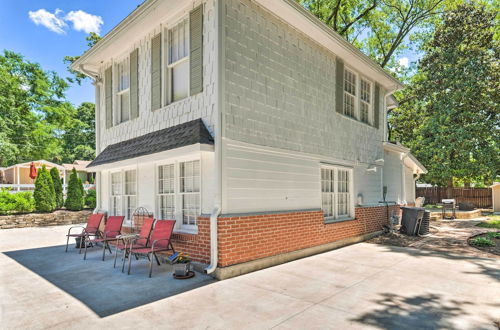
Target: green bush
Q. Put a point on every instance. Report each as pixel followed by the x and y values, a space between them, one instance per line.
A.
pixel 493 235
pixel 75 196
pixel 490 224
pixel 91 199
pixel 44 194
pixel 58 188
pixel 21 202
pixel 482 241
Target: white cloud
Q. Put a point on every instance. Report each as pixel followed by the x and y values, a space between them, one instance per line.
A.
pixel 50 20
pixel 404 62
pixel 83 21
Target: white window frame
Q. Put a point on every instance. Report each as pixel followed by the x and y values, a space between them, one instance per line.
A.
pixel 354 96
pixel 336 194
pixel 119 90
pixel 178 195
pixel 167 76
pixel 122 197
pixel 369 120
pixel 161 195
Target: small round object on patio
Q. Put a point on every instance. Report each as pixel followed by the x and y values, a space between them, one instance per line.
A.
pixel 190 274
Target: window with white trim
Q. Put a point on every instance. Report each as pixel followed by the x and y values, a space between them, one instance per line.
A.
pixel 166 191
pixel 365 109
pixel 190 191
pixel 123 90
pixel 123 193
pixel 336 192
pixel 178 61
pixel 116 193
pixel 349 93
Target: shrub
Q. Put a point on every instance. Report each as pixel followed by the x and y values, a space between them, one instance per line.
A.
pixel 21 202
pixel 58 189
pixel 489 224
pixel 493 235
pixel 482 241
pixel 91 199
pixel 75 196
pixel 44 194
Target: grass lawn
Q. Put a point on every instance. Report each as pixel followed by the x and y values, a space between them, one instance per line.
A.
pixel 492 222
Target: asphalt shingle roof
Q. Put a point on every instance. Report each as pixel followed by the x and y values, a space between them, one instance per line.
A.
pixel 185 134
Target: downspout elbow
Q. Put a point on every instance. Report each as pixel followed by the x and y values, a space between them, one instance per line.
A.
pixel 214 258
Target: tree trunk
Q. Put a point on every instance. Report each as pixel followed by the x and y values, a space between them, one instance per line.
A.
pixel 449 188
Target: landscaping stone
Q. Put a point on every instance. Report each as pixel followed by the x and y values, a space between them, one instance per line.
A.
pixel 57 218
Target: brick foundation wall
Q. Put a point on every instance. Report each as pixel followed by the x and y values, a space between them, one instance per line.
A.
pixel 197 246
pixel 247 238
pixel 57 218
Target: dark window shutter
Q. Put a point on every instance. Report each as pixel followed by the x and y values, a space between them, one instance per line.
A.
pixel 134 84
pixel 376 107
pixel 156 72
pixel 339 86
pixel 108 96
pixel 196 50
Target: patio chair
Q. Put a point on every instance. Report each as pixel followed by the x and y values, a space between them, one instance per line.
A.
pixel 112 229
pixel 91 229
pixel 142 239
pixel 158 242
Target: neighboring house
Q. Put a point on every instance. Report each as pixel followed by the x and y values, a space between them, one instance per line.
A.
pixel 250 122
pixel 85 174
pixel 495 196
pixel 17 176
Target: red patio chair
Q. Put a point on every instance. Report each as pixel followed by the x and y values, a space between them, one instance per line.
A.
pixel 92 229
pixel 112 229
pixel 159 241
pixel 142 239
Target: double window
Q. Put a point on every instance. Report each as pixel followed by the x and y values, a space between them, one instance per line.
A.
pixel 336 192
pixel 178 195
pixel 357 97
pixel 123 193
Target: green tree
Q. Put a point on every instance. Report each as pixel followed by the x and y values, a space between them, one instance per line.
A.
pixel 91 198
pixel 44 194
pixel 58 188
pixel 79 136
pixel 76 76
pixel 75 194
pixel 450 114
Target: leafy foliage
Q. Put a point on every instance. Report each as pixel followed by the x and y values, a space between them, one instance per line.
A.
pixel 79 135
pixel 482 241
pixel 44 194
pixel 20 202
pixel 490 224
pixel 75 194
pixel 91 199
pixel 78 77
pixel 450 114
pixel 58 189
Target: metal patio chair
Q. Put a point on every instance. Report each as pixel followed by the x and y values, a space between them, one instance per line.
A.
pixel 91 229
pixel 142 239
pixel 159 241
pixel 112 230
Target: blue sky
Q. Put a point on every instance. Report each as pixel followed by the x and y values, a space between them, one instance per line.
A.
pixel 61 30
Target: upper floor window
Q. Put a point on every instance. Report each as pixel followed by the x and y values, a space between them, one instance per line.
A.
pixel 123 90
pixel 349 93
pixel 178 61
pixel 365 109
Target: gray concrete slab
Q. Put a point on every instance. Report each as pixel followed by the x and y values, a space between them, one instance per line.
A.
pixel 363 286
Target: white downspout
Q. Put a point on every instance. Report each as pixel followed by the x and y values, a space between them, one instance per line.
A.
pixel 214 252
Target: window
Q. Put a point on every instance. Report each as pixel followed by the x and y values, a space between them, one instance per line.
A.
pixel 123 90
pixel 166 192
pixel 365 101
pixel 190 191
pixel 116 192
pixel 178 61
pixel 178 195
pixel 336 199
pixel 123 193
pixel 349 93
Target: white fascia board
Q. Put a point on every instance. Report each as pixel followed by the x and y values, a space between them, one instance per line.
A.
pixel 177 153
pixel 395 147
pixel 132 28
pixel 296 15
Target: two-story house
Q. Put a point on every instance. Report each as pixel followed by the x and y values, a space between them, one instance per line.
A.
pixel 250 122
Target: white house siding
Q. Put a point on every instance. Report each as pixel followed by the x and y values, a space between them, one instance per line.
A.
pixel 279 92
pixel 393 176
pixel 409 185
pixel 201 105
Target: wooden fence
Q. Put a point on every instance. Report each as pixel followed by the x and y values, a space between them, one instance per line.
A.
pixel 480 197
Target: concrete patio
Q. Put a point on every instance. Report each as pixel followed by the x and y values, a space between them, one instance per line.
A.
pixel 364 286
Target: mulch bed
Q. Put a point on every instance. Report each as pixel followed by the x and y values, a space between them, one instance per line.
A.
pixel 398 239
pixel 490 249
